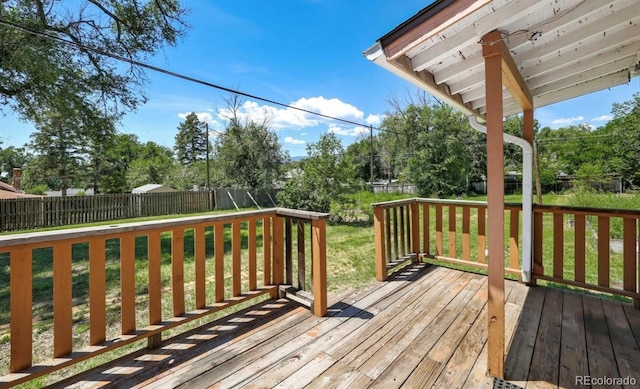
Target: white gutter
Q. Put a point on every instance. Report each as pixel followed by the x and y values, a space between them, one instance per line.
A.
pixel 527 195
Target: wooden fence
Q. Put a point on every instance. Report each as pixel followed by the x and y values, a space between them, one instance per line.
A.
pixel 42 212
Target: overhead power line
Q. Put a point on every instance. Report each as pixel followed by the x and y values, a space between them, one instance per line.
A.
pixel 175 74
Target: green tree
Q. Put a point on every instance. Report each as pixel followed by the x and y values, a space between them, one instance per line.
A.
pixel 58 146
pixel 12 157
pixel 441 165
pixel 191 141
pixel 153 166
pixel 359 155
pixel 119 154
pixel 36 72
pixel 247 154
pixel 326 175
pixel 625 136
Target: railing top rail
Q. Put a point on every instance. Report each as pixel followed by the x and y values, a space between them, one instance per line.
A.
pixel 301 214
pixel 394 203
pixel 468 203
pixel 83 232
pixel 635 213
pixel 453 202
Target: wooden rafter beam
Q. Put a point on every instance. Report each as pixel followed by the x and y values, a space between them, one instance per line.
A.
pixel 492 45
pixel 440 91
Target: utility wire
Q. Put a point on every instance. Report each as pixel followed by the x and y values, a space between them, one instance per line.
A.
pixel 174 74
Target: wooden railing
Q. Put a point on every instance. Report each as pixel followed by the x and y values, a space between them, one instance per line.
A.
pixel 154 264
pixel 415 229
pixel 577 246
pixel 571 245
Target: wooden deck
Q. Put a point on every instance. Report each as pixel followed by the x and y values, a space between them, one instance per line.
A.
pixel 425 327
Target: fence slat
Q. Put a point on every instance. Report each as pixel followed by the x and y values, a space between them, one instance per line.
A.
pixel 629 255
pixel 439 250
pixel 482 236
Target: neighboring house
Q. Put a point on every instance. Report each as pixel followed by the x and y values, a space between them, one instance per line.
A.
pixel 153 188
pixel 13 191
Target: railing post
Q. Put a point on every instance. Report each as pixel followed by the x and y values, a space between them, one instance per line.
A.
pixel 319 249
pixel 378 228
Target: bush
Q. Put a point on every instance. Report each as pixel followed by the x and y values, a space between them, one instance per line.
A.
pixel 298 193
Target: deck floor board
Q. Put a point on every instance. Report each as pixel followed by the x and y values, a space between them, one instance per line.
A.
pixel 425 327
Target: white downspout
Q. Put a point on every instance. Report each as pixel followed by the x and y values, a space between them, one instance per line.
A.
pixel 527 195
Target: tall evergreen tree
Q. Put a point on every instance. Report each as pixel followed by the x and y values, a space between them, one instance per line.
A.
pixel 191 141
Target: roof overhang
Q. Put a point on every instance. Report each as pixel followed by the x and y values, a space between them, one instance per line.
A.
pixel 560 49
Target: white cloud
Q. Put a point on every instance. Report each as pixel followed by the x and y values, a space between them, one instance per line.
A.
pixel 374 120
pixel 287 118
pixel 603 118
pixel 293 141
pixel 355 131
pixel 572 120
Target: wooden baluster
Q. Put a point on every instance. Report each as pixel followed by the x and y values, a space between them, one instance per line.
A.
pixel 630 257
pixel 558 245
pixel 407 228
pixel 236 258
pixel 128 282
pixel 155 286
pixel 466 236
pixel 177 271
pixel 452 232
pixel 252 246
pixel 396 253
pixel 579 243
pixel 401 237
pixel 319 263
pixel 426 228
pixel 514 252
pixel 439 229
pixel 62 304
pixel 288 250
pixel 387 227
pixel 200 268
pixel 415 230
pixel 482 235
pixel 21 264
pixel 266 249
pixel 538 268
pixel 218 252
pixel 603 251
pixel 278 248
pixel 301 256
pixel 97 291
pixel 379 229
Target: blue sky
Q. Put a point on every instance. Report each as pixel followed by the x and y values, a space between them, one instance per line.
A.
pixel 302 52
